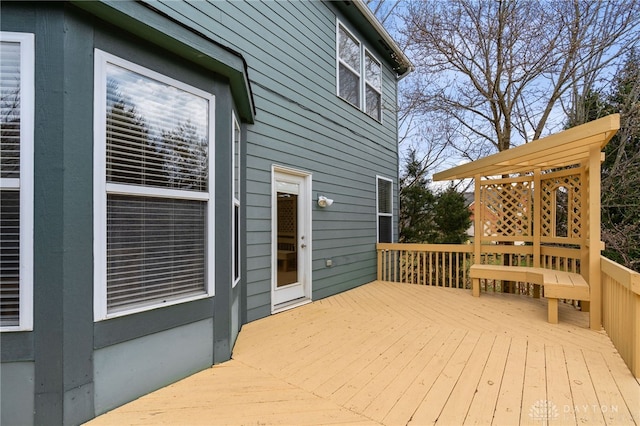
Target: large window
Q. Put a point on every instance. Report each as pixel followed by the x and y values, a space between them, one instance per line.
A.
pixel 354 61
pixel 236 201
pixel 153 189
pixel 384 188
pixel 16 180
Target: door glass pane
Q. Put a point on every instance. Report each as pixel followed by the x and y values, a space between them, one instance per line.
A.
pixel 287 271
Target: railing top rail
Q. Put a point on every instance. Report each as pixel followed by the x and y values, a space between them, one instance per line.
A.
pixel 454 248
pixel 625 276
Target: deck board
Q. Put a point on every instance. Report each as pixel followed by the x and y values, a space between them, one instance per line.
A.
pixel 387 353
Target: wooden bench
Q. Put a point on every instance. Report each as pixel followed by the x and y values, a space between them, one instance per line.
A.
pixel 556 284
pixel 287 254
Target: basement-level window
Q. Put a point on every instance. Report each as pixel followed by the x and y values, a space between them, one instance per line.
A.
pixel 153 189
pixel 16 180
pixel 353 62
pixel 384 188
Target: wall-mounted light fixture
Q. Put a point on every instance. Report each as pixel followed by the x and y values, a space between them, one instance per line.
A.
pixel 324 201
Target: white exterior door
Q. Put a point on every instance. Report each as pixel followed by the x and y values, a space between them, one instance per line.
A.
pixel 291 238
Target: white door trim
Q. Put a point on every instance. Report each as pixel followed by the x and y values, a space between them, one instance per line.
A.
pixel 305 226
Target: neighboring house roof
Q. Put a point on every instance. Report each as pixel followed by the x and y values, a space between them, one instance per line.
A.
pixel 360 14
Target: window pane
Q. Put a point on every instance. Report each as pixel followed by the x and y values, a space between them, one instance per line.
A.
pixel 157 134
pixel 373 103
pixel 236 161
pixel 9 110
pixel 156 250
pixel 372 72
pixel 384 196
pixel 349 86
pixel 9 258
pixel 349 49
pixel 236 242
pixel 384 229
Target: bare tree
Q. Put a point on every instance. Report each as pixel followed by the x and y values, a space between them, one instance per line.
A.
pixel 499 73
pixel 383 9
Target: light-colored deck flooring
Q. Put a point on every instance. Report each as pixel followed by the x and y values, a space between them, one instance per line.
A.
pixel 392 354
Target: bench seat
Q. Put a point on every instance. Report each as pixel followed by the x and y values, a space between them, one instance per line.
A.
pixel 556 284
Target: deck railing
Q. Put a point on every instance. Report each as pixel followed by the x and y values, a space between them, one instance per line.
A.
pixel 444 265
pixel 447 265
pixel 621 311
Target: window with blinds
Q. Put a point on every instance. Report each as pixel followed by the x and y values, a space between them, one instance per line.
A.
pixel 16 180
pixel 236 201
pixel 385 210
pixel 155 215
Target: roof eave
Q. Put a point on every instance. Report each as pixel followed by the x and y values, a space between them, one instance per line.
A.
pixel 405 66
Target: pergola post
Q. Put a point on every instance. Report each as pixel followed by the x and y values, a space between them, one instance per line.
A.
pixel 478 226
pixel 537 224
pixel 595 245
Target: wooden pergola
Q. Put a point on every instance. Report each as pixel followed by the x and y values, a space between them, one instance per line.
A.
pixel 519 194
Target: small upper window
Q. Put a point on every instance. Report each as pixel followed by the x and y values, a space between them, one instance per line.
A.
pixel 16 180
pixel 353 62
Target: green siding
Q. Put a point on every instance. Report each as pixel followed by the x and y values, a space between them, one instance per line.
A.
pixel 289 48
pixel 70 367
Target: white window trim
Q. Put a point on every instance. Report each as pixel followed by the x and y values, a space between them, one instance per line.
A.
pixel 236 201
pixel 361 72
pixel 101 188
pixel 378 214
pixel 25 182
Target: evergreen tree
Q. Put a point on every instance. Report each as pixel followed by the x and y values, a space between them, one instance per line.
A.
pixel 426 217
pixel 416 204
pixel 452 216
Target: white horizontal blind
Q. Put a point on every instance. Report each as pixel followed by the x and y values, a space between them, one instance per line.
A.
pixel 10 174
pixel 156 249
pixel 384 196
pixel 10 109
pixel 385 210
pixel 156 134
pixel 156 148
pixel 236 200
pixel 10 257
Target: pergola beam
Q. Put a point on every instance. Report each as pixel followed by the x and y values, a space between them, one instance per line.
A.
pixel 558 150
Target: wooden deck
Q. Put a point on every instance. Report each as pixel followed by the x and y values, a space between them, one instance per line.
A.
pixel 390 354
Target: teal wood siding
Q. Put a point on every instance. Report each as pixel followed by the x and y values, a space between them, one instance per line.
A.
pixel 301 123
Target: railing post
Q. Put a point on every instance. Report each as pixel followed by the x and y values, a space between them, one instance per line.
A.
pixel 595 314
pixel 635 326
pixel 379 255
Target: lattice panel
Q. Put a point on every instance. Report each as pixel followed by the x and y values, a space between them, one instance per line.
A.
pixel 560 208
pixel 508 207
pixel 287 215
